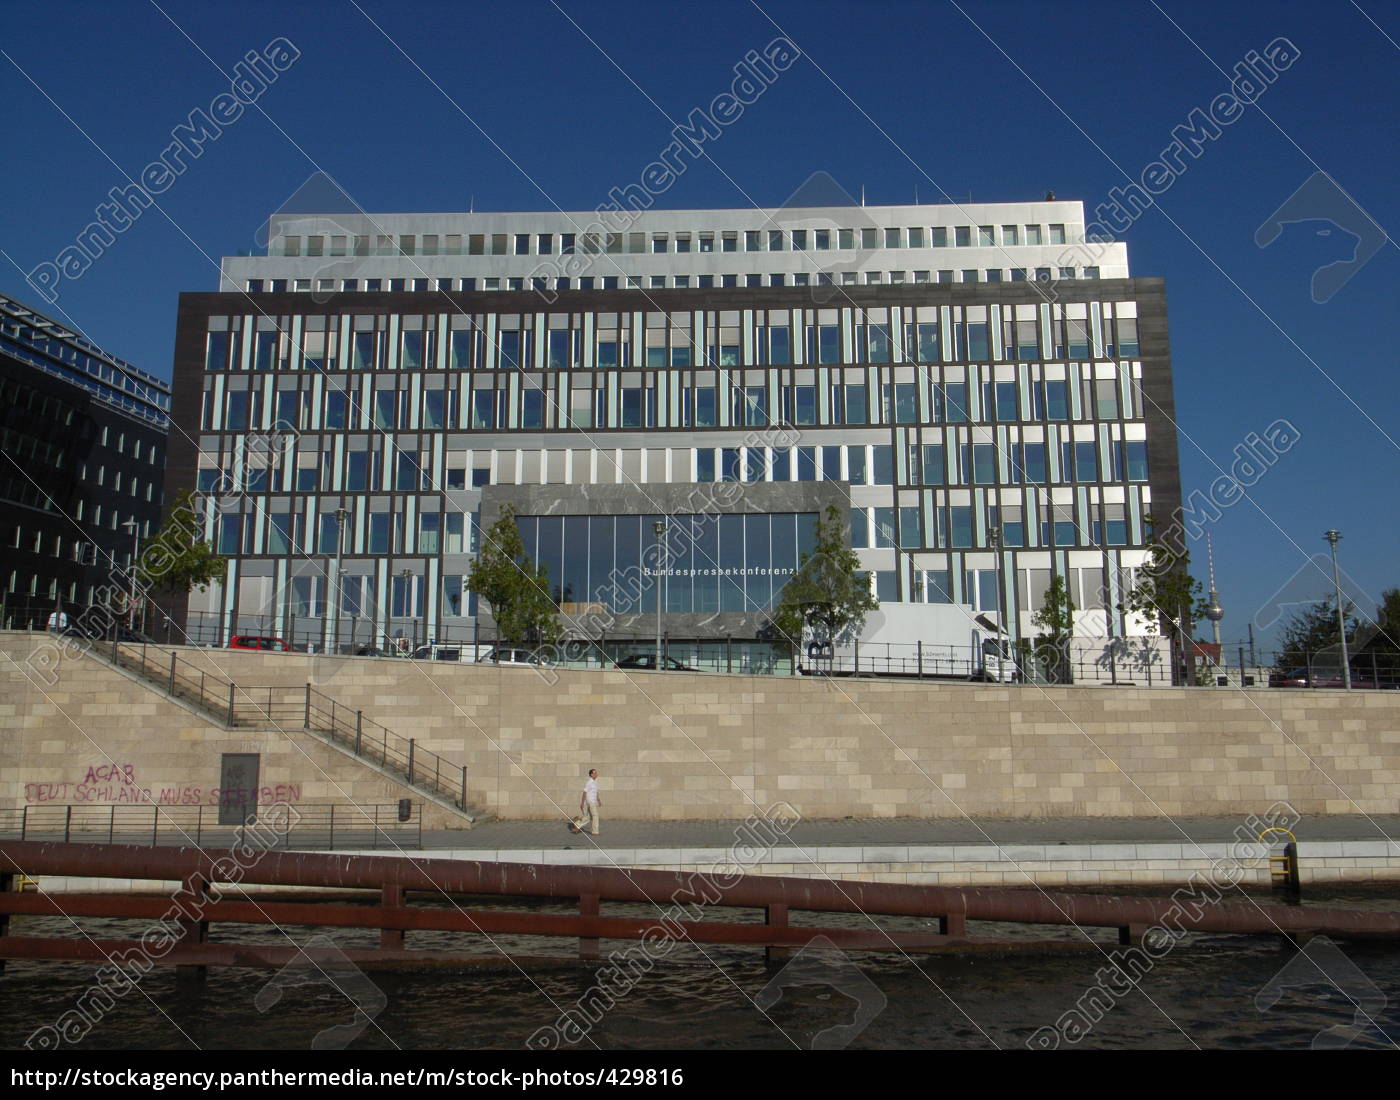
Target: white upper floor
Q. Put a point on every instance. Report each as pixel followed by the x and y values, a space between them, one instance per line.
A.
pixel 628 248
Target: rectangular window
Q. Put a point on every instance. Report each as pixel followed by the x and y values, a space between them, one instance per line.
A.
pixel 483 409
pixel 216 354
pixel 532 409
pixel 1086 461
pixel 960 525
pixel 804 404
pixel 1137 460
pixel 884 528
pixel 856 410
pixel 984 464
pixel 510 349
pixel 1056 400
pixel 955 402
pixel 933 464
pixel 909 533
pixel 1034 463
pixel 883 460
pixel 379 533
pixel 1006 400
pixel 705 407
pixel 860 534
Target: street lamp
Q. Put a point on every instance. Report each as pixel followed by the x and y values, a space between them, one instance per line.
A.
pixel 134 528
pixel 407 576
pixel 659 529
pixel 994 541
pixel 1334 537
pixel 341 515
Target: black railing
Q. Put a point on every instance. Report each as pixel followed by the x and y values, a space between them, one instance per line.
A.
pixel 338 826
pixel 234 705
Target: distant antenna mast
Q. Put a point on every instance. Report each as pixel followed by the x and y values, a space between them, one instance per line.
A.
pixel 471 205
pixel 862 194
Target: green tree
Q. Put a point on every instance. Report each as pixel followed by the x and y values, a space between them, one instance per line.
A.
pixel 1055 621
pixel 177 558
pixel 1382 636
pixel 830 592
pixel 516 589
pixel 1310 631
pixel 1167 595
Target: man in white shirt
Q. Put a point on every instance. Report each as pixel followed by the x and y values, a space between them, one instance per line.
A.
pixel 589 804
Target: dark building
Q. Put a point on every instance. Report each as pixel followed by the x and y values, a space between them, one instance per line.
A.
pixel 82 467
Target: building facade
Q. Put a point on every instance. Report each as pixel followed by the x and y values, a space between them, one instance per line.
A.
pixel 82 467
pixel 986 397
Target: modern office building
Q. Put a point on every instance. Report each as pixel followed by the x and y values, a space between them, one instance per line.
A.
pixel 377 387
pixel 82 466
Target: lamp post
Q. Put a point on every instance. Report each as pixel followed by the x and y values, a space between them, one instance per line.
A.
pixel 994 541
pixel 407 576
pixel 1334 537
pixel 659 529
pixel 341 515
pixel 134 527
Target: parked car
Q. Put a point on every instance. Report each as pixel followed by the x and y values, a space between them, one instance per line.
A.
pixel 437 653
pixel 258 641
pixel 508 656
pixel 647 662
pixel 1302 678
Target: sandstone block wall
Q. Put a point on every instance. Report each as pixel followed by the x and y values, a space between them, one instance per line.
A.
pixel 671 746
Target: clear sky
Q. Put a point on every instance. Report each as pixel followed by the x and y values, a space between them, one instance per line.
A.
pixel 531 105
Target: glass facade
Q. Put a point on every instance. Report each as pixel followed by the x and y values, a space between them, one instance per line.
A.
pixel 736 562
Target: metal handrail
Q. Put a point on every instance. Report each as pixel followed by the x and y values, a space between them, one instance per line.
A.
pixel 305 708
pixel 312 827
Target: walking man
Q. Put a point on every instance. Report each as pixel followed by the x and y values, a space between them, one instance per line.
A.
pixel 589 804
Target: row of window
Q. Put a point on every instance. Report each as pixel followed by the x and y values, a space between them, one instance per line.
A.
pixel 724 240
pixel 944 525
pixel 634 404
pixel 308 597
pixel 76 550
pixel 771 341
pixel 942 463
pixel 675 282
pixel 125 386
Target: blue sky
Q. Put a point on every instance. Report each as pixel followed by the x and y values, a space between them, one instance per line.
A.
pixel 993 101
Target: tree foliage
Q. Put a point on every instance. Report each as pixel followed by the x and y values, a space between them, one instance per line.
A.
pixel 177 558
pixel 829 592
pixel 516 589
pixel 1382 636
pixel 1310 631
pixel 1055 621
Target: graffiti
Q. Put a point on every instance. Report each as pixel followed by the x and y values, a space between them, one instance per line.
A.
pixel 116 783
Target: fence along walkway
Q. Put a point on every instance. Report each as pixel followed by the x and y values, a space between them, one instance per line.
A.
pixel 237 706
pixel 304 828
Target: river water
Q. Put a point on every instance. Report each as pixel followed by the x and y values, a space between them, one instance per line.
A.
pixel 1202 992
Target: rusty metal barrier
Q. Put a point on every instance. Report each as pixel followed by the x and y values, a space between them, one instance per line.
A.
pixel 395 880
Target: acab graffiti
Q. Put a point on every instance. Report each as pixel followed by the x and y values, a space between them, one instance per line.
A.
pixel 117 783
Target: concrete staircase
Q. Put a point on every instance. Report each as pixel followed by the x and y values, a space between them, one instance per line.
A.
pixel 238 706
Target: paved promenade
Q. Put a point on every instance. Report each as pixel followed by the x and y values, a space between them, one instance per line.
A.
pixel 871 832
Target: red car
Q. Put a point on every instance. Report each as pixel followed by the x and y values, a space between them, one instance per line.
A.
pixel 256 641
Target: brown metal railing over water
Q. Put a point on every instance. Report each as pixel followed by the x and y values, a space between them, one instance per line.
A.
pixel 680 898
